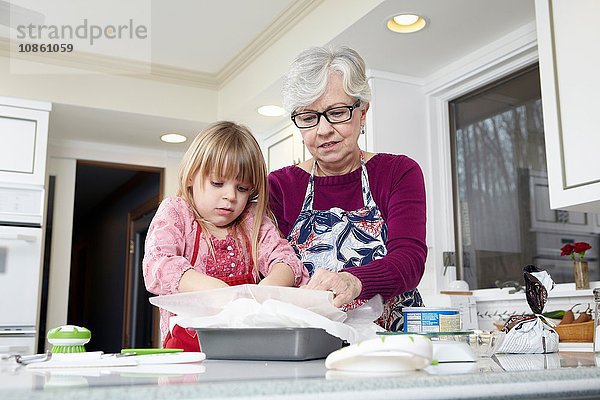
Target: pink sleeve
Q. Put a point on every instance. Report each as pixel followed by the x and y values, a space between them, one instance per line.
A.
pixel 275 249
pixel 164 262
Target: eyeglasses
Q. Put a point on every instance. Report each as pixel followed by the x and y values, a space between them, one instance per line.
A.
pixel 335 115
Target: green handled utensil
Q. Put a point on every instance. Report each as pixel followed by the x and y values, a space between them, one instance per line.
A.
pixel 139 352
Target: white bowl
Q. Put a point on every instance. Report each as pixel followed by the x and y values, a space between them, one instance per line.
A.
pixel 458 286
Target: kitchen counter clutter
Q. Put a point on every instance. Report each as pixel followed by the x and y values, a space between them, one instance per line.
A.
pixel 557 375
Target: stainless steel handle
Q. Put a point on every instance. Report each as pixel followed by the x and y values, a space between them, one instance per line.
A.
pixel 17 332
pixel 25 360
pixel 25 238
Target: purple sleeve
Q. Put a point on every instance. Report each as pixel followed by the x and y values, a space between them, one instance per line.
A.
pixel 276 203
pixel 403 266
pixel 286 193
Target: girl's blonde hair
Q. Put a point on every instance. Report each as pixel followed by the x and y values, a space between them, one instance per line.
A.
pixel 229 151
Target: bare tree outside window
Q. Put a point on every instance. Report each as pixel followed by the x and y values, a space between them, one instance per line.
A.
pixel 503 217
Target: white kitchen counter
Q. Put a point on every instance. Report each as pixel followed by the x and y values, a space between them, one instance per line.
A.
pixel 559 375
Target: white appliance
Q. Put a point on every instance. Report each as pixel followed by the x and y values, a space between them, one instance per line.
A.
pixel 21 210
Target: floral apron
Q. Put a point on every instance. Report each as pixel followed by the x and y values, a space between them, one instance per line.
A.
pixel 229 266
pixel 336 239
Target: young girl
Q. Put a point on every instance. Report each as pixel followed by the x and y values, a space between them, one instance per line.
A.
pixel 216 232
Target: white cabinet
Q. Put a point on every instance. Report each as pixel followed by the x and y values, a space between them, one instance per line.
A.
pixel 24 139
pixel 284 148
pixel 568 36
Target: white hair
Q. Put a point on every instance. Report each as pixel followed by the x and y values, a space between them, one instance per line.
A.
pixel 309 75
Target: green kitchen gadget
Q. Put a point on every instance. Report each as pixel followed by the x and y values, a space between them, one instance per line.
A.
pixel 141 352
pixel 69 339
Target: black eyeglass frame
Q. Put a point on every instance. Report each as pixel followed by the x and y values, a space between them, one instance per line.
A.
pixel 324 114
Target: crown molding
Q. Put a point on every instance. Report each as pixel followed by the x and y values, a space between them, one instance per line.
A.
pixel 394 77
pixel 171 74
pixel 90 62
pixel 290 17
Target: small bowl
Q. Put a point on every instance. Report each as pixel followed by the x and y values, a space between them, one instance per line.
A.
pixel 458 286
pixel 485 343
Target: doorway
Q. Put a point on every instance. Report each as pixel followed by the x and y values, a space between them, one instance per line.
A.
pixel 140 319
pixel 110 199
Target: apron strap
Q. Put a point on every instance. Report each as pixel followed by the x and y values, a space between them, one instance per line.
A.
pixel 253 273
pixel 310 192
pixel 364 178
pixel 366 188
pixel 196 244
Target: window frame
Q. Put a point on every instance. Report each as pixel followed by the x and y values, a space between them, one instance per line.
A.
pixel 452 128
pixel 487 65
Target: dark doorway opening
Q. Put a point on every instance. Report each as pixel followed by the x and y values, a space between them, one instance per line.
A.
pixel 140 322
pixel 114 204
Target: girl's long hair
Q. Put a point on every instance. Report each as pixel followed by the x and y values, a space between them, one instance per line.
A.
pixel 229 151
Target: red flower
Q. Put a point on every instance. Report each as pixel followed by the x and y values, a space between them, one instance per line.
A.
pixel 576 248
pixel 566 250
pixel 581 247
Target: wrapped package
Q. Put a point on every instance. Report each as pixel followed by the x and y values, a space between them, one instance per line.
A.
pixel 528 334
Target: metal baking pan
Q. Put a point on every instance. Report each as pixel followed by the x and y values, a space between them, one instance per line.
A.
pixel 274 344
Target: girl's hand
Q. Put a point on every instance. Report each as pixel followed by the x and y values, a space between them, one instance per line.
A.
pixel 192 280
pixel 345 286
pixel 281 275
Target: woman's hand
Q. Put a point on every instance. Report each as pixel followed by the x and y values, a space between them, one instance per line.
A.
pixel 345 286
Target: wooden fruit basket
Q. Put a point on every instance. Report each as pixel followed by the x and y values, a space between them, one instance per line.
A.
pixel 570 333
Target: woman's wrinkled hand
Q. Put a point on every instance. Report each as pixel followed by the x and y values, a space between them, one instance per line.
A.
pixel 345 286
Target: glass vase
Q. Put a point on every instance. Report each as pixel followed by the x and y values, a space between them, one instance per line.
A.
pixel 580 272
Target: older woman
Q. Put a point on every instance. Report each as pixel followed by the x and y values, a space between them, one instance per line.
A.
pixel 356 219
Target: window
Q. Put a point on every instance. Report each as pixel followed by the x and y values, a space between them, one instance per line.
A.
pixel 503 219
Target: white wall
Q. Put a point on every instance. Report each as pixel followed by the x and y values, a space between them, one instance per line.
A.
pixel 397 124
pixel 62 230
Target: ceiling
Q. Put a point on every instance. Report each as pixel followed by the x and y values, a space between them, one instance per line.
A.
pixel 216 40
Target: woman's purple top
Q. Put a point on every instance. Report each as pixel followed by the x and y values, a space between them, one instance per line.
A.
pixel 398 189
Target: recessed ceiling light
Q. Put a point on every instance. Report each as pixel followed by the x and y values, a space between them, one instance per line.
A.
pixel 406 19
pixel 406 23
pixel 173 138
pixel 271 111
